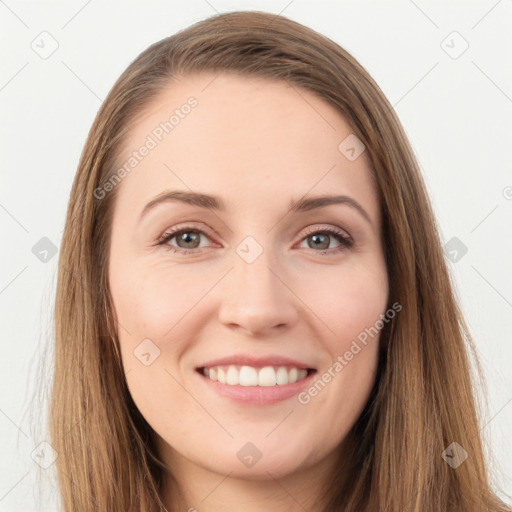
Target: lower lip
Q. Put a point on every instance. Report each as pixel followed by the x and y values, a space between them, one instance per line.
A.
pixel 258 395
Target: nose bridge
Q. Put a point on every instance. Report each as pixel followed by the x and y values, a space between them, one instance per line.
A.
pixel 253 273
pixel 255 297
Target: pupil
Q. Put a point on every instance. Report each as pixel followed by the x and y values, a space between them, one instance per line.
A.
pixel 325 244
pixel 189 237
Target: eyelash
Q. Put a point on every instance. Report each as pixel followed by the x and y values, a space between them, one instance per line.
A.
pixel 346 242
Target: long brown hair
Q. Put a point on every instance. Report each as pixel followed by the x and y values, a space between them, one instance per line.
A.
pixel 424 396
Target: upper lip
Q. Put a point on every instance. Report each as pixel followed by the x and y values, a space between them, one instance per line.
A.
pixel 257 362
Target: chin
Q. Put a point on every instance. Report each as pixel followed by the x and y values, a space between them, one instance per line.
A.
pixel 250 462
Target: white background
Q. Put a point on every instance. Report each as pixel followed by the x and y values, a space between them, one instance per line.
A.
pixel 456 112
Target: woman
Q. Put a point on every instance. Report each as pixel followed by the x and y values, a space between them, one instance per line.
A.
pixel 253 308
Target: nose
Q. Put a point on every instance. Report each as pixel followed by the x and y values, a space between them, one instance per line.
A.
pixel 257 299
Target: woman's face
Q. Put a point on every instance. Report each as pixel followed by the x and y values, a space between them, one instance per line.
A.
pixel 263 289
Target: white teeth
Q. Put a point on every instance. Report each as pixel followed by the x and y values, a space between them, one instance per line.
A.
pixel 232 376
pixel 249 376
pixel 267 376
pixel 282 376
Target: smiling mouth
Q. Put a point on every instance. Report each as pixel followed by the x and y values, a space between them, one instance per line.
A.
pixel 266 376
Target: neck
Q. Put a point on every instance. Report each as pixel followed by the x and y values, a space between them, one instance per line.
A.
pixel 189 487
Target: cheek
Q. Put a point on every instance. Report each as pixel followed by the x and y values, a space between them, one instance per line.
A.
pixel 151 300
pixel 347 301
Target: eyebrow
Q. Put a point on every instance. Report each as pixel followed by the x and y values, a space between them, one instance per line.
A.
pixel 216 203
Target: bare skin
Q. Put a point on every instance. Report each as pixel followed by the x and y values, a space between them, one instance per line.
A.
pixel 257 145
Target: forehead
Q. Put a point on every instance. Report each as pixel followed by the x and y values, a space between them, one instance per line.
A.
pixel 242 138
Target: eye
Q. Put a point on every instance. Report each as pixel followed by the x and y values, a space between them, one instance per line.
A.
pixel 322 238
pixel 187 238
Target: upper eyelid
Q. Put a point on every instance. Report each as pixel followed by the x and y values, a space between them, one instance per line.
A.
pixel 331 229
pixel 171 232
